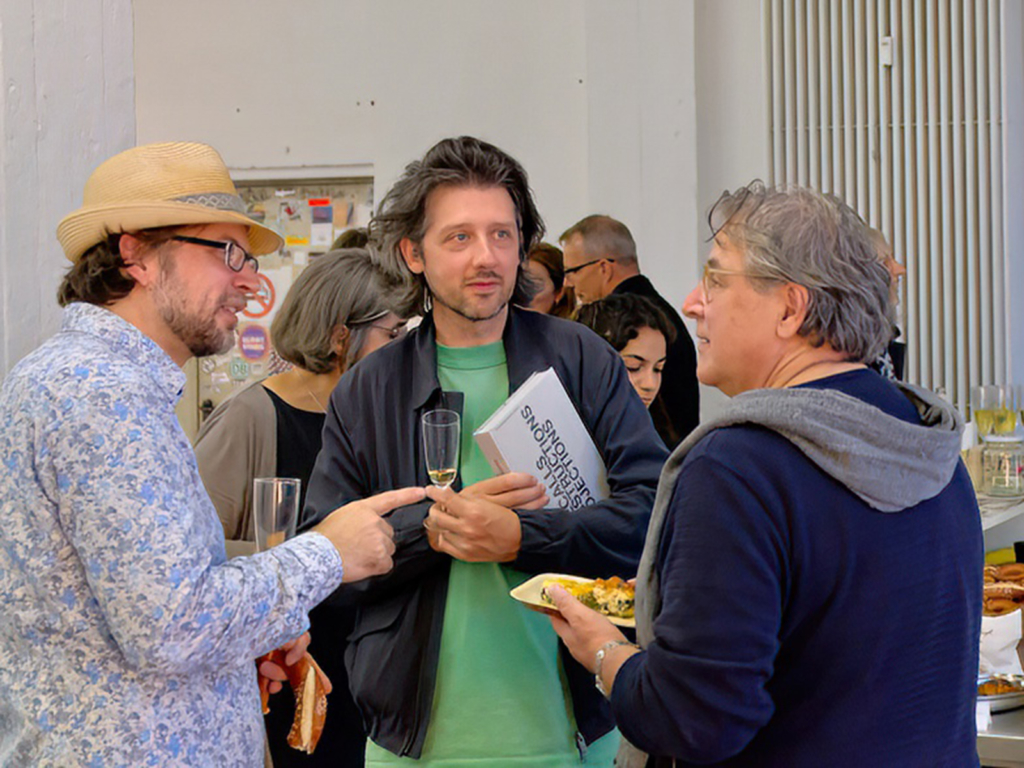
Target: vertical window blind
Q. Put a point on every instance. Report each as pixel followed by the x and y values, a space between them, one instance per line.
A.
pixel 896 107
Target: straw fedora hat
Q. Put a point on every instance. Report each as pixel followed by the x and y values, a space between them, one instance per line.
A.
pixel 159 185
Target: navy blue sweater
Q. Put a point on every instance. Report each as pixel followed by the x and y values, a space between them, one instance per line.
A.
pixel 800 627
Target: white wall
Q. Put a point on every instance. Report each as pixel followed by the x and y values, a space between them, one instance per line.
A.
pixel 594 97
pixel 731 116
pixel 66 104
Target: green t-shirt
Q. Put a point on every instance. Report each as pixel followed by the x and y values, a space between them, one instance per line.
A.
pixel 500 698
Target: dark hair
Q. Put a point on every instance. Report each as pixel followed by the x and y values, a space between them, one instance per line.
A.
pixel 798 235
pixel 340 288
pixel 618 318
pixel 97 276
pixel 356 237
pixel 461 162
pixel 550 257
pixel 603 238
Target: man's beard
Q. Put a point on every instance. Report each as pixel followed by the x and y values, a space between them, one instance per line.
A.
pixel 197 330
pixel 465 310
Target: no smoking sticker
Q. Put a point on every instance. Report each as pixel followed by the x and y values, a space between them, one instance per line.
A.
pixel 261 304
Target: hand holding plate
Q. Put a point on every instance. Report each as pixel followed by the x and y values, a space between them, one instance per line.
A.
pixel 582 629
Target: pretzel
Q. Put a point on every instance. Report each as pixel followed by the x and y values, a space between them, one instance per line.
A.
pixel 1004 589
pixel 999 606
pixel 310 700
pixel 1010 572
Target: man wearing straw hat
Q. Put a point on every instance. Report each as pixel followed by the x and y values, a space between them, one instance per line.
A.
pixel 127 637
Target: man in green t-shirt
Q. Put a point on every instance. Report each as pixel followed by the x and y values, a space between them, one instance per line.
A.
pixel 446 669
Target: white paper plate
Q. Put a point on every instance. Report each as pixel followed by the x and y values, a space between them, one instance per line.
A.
pixel 528 593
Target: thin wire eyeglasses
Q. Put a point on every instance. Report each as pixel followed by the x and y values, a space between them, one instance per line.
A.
pixel 705 288
pixel 573 270
pixel 392 333
pixel 235 256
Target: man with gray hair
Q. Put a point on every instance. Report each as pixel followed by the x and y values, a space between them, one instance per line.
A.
pixel 445 667
pixel 600 259
pixel 810 589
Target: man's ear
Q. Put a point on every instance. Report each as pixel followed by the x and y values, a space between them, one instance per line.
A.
pixel 796 301
pixel 413 255
pixel 139 261
pixel 607 268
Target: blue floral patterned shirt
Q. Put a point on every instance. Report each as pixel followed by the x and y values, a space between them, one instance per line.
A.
pixel 127 638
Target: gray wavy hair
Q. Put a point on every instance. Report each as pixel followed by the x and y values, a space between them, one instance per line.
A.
pixel 340 288
pixel 798 235
pixel 457 162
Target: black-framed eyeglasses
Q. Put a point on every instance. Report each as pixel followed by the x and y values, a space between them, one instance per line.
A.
pixel 573 270
pixel 235 256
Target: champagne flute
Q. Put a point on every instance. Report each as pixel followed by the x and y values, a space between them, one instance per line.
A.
pixel 442 433
pixel 1006 412
pixel 985 402
pixel 275 509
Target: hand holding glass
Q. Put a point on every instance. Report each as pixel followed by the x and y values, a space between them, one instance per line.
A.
pixel 275 509
pixel 442 432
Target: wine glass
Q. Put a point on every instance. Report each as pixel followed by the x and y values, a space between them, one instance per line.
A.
pixel 986 400
pixel 275 509
pixel 442 432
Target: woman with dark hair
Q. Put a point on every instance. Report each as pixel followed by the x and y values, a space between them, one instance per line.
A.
pixel 337 312
pixel 638 331
pixel 554 297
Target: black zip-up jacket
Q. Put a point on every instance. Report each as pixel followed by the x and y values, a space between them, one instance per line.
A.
pixel 372 443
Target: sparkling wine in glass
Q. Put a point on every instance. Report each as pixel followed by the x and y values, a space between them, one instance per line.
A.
pixel 275 509
pixel 986 401
pixel 442 433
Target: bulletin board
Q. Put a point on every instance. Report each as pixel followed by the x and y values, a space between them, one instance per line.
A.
pixel 309 215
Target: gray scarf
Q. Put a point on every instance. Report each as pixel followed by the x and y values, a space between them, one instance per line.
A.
pixel 889 463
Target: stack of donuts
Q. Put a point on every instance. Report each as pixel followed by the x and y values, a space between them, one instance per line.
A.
pixel 1004 588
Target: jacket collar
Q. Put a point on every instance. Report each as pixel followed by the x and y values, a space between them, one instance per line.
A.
pixel 521 350
pixel 634 284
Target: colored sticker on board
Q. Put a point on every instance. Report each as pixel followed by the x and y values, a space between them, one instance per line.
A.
pixel 254 342
pixel 263 301
pixel 238 369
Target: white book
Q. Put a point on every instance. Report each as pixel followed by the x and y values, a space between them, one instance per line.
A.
pixel 538 430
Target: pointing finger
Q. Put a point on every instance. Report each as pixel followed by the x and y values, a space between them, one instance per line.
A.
pixel 383 503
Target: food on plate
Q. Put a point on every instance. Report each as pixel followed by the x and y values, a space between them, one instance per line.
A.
pixel 1010 572
pixel 310 699
pixel 1003 590
pixel 611 597
pixel 999 606
pixel 997 687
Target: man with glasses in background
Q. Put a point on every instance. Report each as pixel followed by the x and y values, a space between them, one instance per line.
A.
pixel 600 259
pixel 129 639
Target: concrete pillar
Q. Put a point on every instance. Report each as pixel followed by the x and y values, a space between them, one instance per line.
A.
pixel 67 103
